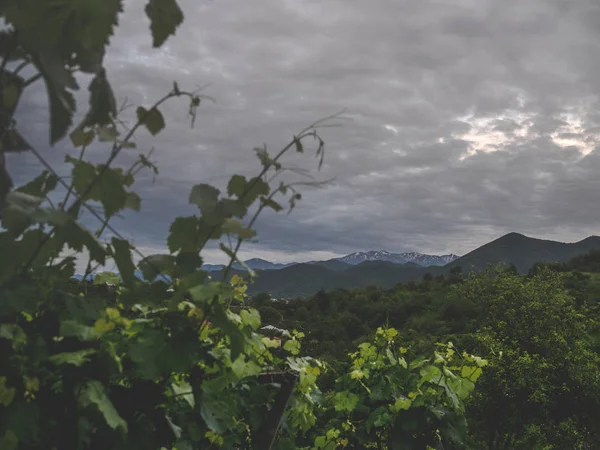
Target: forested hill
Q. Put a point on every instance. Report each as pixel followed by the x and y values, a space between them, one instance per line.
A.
pixel 538 330
pixel 523 252
pixel 512 249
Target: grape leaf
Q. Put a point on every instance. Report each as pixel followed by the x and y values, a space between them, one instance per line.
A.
pixel 93 393
pixel 153 119
pixel 103 106
pixel 165 16
pixel 122 257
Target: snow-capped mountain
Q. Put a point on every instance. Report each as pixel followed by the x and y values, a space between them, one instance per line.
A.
pixel 397 258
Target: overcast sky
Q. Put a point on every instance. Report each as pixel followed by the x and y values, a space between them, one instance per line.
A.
pixel 470 118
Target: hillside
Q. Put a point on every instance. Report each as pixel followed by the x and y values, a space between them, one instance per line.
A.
pixel 523 252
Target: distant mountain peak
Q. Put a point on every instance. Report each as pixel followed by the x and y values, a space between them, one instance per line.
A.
pixel 397 258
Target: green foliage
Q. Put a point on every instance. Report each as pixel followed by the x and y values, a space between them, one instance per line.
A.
pixel 180 362
pixel 385 400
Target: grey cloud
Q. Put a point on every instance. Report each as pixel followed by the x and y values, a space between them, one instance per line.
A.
pixel 440 73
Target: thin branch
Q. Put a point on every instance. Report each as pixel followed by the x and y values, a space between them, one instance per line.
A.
pixel 21 67
pixel 32 80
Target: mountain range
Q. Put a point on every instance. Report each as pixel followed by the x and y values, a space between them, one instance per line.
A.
pixel 385 269
pixel 342 262
pixel 304 279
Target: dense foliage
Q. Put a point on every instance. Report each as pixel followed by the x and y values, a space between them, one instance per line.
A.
pixel 169 364
pixel 539 333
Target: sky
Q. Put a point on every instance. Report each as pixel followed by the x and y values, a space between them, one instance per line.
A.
pixel 464 119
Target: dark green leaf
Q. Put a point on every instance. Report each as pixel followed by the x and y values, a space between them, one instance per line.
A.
pixel 10 96
pixel 154 265
pixel 81 138
pixel 236 185
pixel 105 185
pixel 73 328
pixel 103 106
pixel 205 197
pixel 77 358
pixel 93 393
pixel 233 208
pixel 220 318
pixel 270 203
pixel 122 257
pixel 77 237
pixel 133 201
pixel 165 16
pixel 61 101
pixel 183 234
pixel 186 263
pixel 108 134
pixel 254 189
pixel 153 119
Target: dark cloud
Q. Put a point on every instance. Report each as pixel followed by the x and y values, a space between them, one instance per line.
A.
pixel 469 118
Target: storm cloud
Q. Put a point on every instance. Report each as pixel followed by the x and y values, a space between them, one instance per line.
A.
pixel 469 119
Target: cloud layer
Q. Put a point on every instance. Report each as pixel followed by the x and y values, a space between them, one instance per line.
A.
pixel 470 118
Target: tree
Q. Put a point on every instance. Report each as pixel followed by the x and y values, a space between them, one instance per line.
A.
pixel 542 387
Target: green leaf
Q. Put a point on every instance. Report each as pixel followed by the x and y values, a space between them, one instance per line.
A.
pixel 154 265
pixel 41 185
pixel 10 96
pixel 103 106
pixel 77 237
pixel 236 185
pixel 122 257
pixel 462 387
pixel 20 211
pixel 184 390
pixel 270 203
pixel 107 185
pixel 379 418
pixel 254 189
pixel 472 373
pixel 81 138
pixel 133 201
pixel 187 263
pixel 153 119
pixel 430 373
pixel 250 317
pixel 108 134
pixel 183 234
pixel 7 395
pixel 14 334
pixel 233 208
pixel 94 393
pixel 61 101
pixel 165 16
pixel 9 441
pixel 77 358
pixel 235 227
pixel 390 356
pixel 292 346
pixel 72 328
pixel 345 401
pixel 221 319
pixel 205 197
pixel 402 403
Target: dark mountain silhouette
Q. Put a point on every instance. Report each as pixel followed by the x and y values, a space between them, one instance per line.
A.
pixel 523 252
pixel 304 279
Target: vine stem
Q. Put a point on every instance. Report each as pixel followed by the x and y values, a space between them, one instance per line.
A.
pixel 80 201
pixel 310 130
